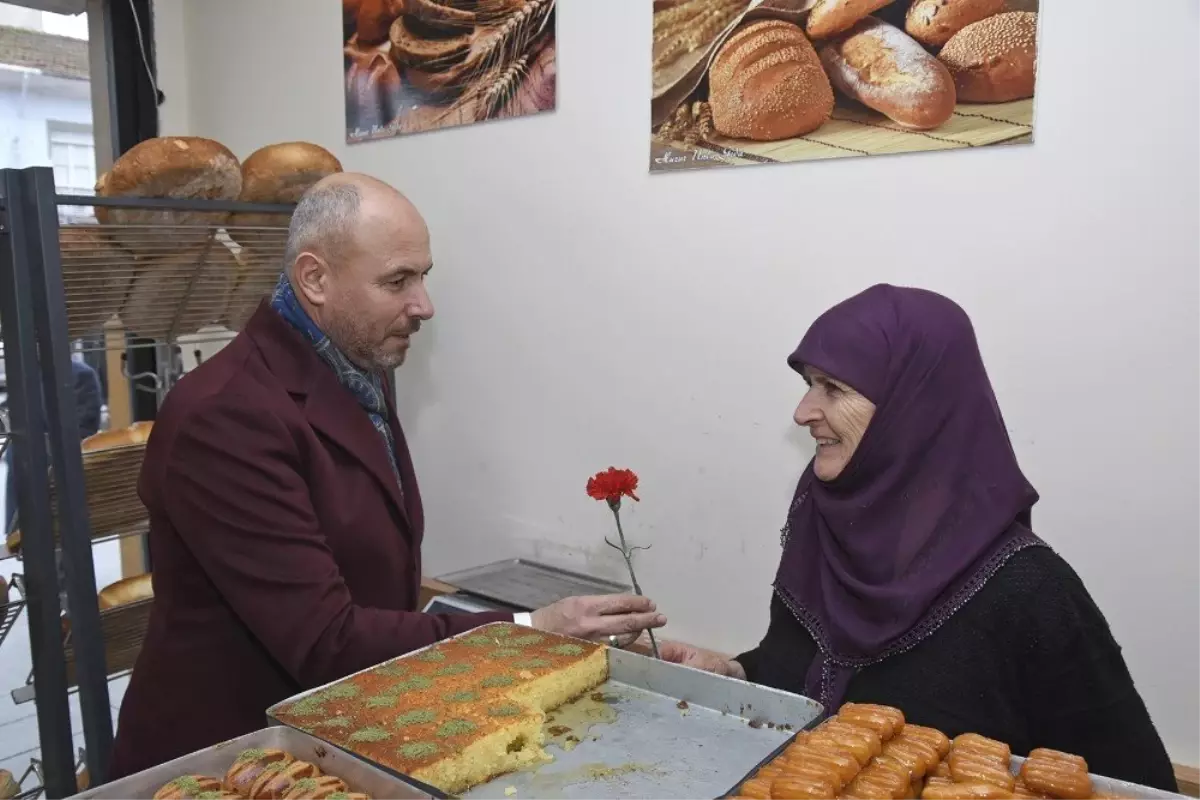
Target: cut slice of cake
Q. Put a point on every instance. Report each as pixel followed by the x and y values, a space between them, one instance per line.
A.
pixel 460 713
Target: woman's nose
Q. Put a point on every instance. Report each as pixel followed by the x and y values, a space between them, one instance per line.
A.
pixel 807 412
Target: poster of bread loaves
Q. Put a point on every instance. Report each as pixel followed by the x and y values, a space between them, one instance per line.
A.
pixel 421 65
pixel 739 82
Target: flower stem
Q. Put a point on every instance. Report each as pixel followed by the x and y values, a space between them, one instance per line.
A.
pixel 628 555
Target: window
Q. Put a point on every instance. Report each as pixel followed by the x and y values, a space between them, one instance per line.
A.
pixel 73 155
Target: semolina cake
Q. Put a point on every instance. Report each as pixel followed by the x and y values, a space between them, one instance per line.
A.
pixel 459 713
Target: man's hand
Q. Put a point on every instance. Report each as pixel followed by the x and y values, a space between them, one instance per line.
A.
pixel 705 660
pixel 595 618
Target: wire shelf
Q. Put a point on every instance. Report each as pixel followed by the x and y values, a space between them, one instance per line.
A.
pixel 34 769
pixel 12 608
pixel 161 282
pixel 110 487
pixel 123 629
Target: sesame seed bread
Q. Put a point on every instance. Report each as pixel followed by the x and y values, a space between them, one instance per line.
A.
pixel 767 84
pixel 994 60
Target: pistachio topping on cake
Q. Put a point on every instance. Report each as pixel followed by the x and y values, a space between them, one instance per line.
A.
pixel 431 655
pixel 526 641
pixel 418 750
pixel 307 707
pixel 478 640
pixel 566 650
pixel 419 716
pixel 381 701
pixel 392 670
pixel 456 727
pixel 505 710
pixel 370 735
pixel 497 681
pixel 532 663
pixel 462 697
pixel 506 652
pixel 416 683
pixel 252 754
pixel 343 691
pixel 336 722
pixel 458 668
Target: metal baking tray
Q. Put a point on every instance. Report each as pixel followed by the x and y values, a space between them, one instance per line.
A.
pixel 528 584
pixel 215 762
pixel 1100 784
pixel 667 731
pixel 1110 786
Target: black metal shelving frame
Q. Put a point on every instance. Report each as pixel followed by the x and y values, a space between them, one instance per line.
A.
pixel 58 575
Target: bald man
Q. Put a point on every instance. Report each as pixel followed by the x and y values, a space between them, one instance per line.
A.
pixel 285 517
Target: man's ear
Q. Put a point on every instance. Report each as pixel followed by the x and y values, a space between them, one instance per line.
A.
pixel 310 276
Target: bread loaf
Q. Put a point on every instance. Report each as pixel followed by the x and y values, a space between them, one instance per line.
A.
pixel 933 22
pixel 8 785
pixel 374 19
pixel 188 787
pixel 320 788
pixel 274 783
pixel 257 276
pixel 181 293
pixel 280 173
pixel 248 767
pixel 410 49
pixel 440 14
pixel 881 67
pixel 125 591
pixel 767 84
pixel 181 167
pixel 96 277
pixel 994 60
pixel 137 433
pixel 831 17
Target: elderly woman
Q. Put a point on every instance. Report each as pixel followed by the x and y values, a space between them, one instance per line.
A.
pixel 910 574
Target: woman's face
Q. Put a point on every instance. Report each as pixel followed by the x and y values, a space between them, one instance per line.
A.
pixel 837 417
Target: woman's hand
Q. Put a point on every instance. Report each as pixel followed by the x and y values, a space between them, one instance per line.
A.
pixel 707 660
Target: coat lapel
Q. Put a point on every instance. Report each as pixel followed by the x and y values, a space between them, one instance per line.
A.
pixel 334 412
pixel 329 407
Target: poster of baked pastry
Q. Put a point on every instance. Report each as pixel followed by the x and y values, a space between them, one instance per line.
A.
pixel 421 65
pixel 739 82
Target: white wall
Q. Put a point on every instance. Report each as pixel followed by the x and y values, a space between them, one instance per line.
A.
pixel 590 314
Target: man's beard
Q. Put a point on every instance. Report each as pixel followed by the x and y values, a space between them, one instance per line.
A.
pixel 355 340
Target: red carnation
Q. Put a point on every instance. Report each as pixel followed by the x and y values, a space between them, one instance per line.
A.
pixel 613 484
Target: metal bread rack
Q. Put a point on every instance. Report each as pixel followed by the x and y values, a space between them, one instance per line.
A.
pixel 12 608
pixel 152 285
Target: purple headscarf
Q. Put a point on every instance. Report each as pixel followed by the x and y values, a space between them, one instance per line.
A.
pixel 931 504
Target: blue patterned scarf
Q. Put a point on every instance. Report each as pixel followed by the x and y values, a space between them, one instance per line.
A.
pixel 366 387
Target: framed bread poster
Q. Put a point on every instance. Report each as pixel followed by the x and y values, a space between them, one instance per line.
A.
pixel 774 81
pixel 420 65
